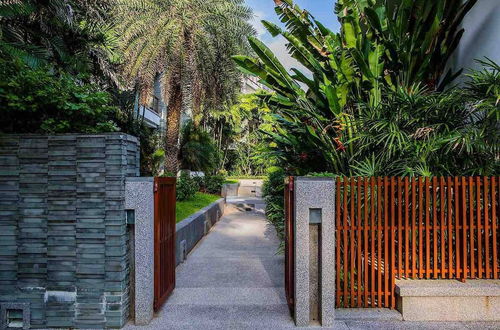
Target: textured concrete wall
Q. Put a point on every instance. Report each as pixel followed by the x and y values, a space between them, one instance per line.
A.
pixel 63 234
pixel 139 196
pixel 192 229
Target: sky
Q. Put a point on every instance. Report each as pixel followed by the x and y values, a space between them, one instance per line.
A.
pixel 322 10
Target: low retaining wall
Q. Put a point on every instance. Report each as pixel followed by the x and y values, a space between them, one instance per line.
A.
pixel 192 229
pixel 230 189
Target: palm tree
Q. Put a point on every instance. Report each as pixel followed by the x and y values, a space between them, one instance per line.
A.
pixel 70 35
pixel 190 42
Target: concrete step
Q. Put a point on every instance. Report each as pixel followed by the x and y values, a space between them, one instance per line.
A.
pixel 223 317
pixel 228 296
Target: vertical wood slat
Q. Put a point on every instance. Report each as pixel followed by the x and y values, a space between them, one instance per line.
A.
pixel 472 228
pixel 442 224
pixel 486 229
pixel 420 232
pixel 358 224
pixel 392 250
pixel 386 242
pixel 456 193
pixel 439 242
pixel 427 228
pixel 399 223
pixel 365 241
pixel 414 234
pixel 372 243
pixel 479 229
pixel 435 227
pixel 449 230
pixel 463 219
pixel 344 236
pixel 407 225
pixel 494 226
pixel 379 243
pixel 351 244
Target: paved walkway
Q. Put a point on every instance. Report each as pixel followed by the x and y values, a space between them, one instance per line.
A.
pixel 234 280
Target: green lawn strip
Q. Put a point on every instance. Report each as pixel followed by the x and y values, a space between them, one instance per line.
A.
pixel 186 208
pixel 231 181
pixel 246 177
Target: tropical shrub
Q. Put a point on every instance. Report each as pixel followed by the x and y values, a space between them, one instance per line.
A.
pixel 186 187
pixel 273 191
pixel 71 35
pixel 198 151
pixel 212 184
pixel 418 132
pixel 235 129
pixel 371 102
pixel 43 101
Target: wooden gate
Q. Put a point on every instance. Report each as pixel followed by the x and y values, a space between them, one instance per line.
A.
pixel 289 243
pixel 164 203
pixel 419 228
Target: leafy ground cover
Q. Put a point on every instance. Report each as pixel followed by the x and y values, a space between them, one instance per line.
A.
pixel 184 209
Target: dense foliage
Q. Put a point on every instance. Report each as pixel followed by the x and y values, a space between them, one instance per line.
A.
pixel 373 100
pixel 212 184
pixel 198 151
pixel 71 35
pixel 41 101
pixel 186 187
pixel 188 43
pixel 273 193
pixel 236 130
pixel 371 103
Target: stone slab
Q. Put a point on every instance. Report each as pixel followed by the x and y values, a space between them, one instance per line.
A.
pixel 367 314
pixel 448 288
pixel 418 308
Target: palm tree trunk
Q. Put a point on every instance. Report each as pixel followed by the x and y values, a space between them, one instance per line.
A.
pixel 173 125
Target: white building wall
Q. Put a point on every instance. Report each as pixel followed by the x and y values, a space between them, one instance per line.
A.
pixel 481 37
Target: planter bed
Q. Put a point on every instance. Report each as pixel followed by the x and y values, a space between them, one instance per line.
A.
pixel 192 229
pixel 189 207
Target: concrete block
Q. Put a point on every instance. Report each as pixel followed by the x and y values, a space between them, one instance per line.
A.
pixel 230 189
pixel 449 300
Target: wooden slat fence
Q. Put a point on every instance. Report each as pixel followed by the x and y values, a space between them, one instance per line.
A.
pixel 425 228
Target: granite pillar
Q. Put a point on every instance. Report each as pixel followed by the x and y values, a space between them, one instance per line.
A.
pixel 314 211
pixel 139 197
